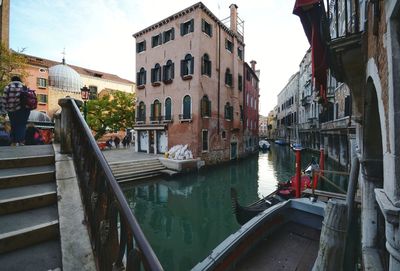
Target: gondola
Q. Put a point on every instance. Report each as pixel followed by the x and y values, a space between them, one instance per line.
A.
pixel 285 191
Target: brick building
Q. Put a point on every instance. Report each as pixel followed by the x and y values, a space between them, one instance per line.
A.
pixel 251 101
pixel 190 84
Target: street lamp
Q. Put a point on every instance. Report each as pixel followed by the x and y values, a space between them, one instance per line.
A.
pixel 85 96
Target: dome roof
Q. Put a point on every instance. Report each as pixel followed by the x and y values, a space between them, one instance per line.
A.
pixel 65 78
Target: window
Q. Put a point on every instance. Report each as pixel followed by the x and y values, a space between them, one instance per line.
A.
pixel 155 111
pixel 228 45
pixel 187 104
pixel 156 74
pixel 187 65
pixel 241 113
pixel 240 53
pixel 168 109
pixel 141 77
pixel 41 82
pixel 206 65
pixel 228 111
pixel 240 82
pixel 169 35
pixel 156 40
pixel 187 27
pixel 141 112
pixel 204 140
pixel 168 70
pixel 205 107
pixel 42 98
pixel 223 135
pixel 92 92
pixel 228 78
pixel 141 46
pixel 206 27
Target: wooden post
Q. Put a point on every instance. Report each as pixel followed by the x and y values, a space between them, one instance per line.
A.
pixel 321 161
pixel 333 237
pixel 298 172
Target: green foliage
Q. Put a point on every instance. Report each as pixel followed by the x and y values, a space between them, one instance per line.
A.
pixel 11 63
pixel 111 112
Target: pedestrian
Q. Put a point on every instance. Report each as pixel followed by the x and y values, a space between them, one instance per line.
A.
pixel 124 142
pixel 33 135
pixel 109 143
pixel 17 113
pixel 116 141
pixel 5 139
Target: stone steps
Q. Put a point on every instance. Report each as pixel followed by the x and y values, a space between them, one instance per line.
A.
pixel 128 171
pixel 29 224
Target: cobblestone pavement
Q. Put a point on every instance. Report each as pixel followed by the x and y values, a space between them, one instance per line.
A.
pixel 126 154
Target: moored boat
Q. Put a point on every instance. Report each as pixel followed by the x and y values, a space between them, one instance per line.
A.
pixel 264 145
pixel 282 237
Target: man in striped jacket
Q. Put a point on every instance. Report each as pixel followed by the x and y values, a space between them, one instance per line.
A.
pixel 17 113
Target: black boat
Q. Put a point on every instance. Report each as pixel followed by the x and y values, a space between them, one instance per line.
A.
pixel 245 213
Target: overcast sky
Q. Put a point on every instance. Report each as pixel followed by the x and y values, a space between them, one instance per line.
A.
pixel 97 34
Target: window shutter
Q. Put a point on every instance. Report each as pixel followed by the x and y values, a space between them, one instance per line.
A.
pixel 164 35
pixel 137 47
pixel 164 76
pixel 226 44
pixel 182 29
pixel 151 110
pixel 209 68
pixel 203 25
pixel 209 108
pixel 138 78
pixel 211 28
pixel 203 66
pixel 152 75
pixel 144 77
pixel 172 33
pixel 182 67
pixel 191 25
pixel 192 66
pixel 137 112
pixel 202 107
pixel 144 112
pixel 144 45
pixel 172 71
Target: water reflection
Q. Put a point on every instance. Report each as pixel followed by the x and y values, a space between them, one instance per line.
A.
pixel 185 218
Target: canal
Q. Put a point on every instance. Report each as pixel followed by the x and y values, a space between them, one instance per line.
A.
pixel 186 217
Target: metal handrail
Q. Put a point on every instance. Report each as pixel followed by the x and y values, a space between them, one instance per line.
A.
pixel 117 239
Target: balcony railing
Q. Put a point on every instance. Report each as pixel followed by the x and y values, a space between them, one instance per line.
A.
pixel 185 117
pixel 344 16
pixel 117 239
pixel 140 119
pixel 156 119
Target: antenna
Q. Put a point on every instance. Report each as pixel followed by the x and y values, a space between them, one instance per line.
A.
pixel 63 53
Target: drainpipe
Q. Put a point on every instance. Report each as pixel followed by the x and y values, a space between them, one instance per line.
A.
pixel 219 76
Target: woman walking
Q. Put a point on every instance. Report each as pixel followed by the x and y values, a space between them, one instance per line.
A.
pixel 17 113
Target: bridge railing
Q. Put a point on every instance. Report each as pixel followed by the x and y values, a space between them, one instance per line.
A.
pixel 117 239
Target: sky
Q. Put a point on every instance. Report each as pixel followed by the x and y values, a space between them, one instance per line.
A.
pixel 97 34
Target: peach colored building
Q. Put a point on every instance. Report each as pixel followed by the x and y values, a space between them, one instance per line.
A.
pixel 53 80
pixel 190 84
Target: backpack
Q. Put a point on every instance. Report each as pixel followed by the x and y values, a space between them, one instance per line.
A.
pixel 28 98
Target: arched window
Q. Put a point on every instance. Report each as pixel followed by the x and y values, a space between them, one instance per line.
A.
pixel 156 73
pixel 168 109
pixel 205 107
pixel 141 112
pixel 206 65
pixel 168 72
pixel 228 78
pixel 228 111
pixel 155 111
pixel 187 104
pixel 141 77
pixel 187 65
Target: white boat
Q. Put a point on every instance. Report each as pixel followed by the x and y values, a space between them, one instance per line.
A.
pixel 264 145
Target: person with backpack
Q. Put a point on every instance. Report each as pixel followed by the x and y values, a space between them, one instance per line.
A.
pixel 18 113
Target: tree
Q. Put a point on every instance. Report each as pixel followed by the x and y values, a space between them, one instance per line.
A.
pixel 11 63
pixel 111 112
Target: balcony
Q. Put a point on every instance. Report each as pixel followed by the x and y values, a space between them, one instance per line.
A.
pixel 345 52
pixel 185 117
pixel 156 119
pixel 140 120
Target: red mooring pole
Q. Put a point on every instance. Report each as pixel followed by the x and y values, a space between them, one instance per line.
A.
pixel 298 172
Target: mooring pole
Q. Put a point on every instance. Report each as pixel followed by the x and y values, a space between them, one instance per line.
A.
pixel 321 161
pixel 298 172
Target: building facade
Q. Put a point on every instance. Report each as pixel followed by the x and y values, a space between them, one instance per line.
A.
pixel 190 85
pixel 250 107
pixel 287 110
pixel 4 22
pixel 53 80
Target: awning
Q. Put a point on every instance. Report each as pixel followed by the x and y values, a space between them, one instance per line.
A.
pixel 312 17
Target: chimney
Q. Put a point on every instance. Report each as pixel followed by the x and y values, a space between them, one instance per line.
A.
pixel 4 22
pixel 253 65
pixel 233 17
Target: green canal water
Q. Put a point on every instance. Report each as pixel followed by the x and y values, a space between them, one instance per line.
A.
pixel 186 217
